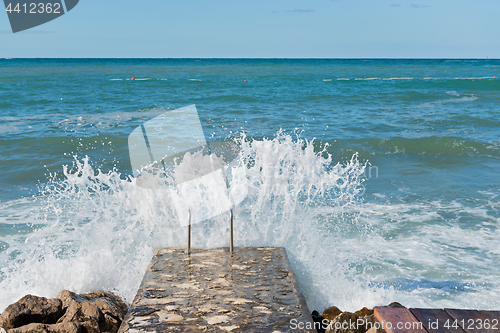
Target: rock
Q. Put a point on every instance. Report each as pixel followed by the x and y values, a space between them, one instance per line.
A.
pixel 113 313
pixel 331 312
pixel 30 328
pixel 113 303
pixel 31 309
pixel 68 313
pixel 98 311
pixel 90 327
pixel 376 330
pixel 68 297
pixel 370 322
pixel 346 322
pixel 364 312
pixel 396 305
pixel 83 312
pixel 318 322
pixel 66 328
pixel 43 328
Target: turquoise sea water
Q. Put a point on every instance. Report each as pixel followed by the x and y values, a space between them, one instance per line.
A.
pixel 380 177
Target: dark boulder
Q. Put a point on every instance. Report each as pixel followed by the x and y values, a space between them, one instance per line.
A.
pixel 396 305
pixel 318 322
pixel 68 313
pixel 31 309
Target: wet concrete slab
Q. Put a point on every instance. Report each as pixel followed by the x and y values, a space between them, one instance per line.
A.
pixel 253 290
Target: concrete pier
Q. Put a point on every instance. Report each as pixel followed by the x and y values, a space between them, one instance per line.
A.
pixel 253 290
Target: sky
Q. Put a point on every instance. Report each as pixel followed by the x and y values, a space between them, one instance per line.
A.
pixel 263 29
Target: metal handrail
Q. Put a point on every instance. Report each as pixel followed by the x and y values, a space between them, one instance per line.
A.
pixel 231 231
pixel 189 232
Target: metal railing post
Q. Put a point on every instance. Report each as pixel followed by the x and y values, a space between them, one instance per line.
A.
pixel 189 233
pixel 231 232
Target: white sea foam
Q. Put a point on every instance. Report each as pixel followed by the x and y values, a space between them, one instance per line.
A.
pixel 475 78
pixel 398 78
pixel 8 128
pixel 100 229
pixel 470 98
pixel 463 99
pixel 66 122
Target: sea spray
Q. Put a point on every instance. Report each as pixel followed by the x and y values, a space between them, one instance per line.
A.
pixel 99 229
pixel 94 230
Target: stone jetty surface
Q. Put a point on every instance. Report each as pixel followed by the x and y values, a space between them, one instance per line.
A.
pixel 252 290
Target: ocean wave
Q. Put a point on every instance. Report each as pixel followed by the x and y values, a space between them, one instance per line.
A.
pixel 89 123
pixel 426 146
pixel 91 230
pixel 470 98
pixel 100 229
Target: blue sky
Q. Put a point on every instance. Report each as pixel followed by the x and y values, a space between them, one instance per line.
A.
pixel 267 29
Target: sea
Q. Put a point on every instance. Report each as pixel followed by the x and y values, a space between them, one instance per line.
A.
pixel 380 177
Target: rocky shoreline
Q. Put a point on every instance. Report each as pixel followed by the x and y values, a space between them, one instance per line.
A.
pixel 98 312
pixel 67 313
pixel 333 320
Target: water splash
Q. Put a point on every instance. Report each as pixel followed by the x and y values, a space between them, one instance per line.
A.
pixel 93 230
pixel 98 230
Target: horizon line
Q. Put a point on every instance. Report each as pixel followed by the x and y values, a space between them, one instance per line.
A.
pixel 254 58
